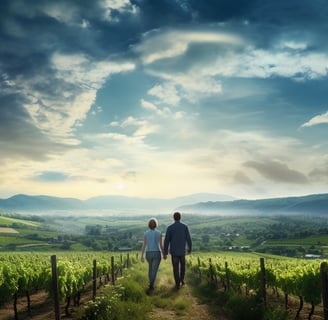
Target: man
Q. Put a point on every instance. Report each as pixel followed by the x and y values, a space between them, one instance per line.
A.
pixel 177 237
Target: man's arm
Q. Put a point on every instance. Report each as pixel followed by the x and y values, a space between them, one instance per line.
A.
pixel 188 239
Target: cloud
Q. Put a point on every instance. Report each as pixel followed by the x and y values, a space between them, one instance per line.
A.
pixel 241 178
pixel 202 70
pixel 112 7
pixel 166 93
pixel 191 86
pixel 277 171
pixel 51 176
pixel 52 65
pixel 319 174
pixel 19 138
pixel 142 126
pixel 148 105
pixel 174 43
pixel 165 112
pixel 320 119
pixel 72 90
pixel 258 63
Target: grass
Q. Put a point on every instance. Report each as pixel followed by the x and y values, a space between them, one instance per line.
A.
pixel 310 240
pixel 181 305
pixel 129 300
pixel 9 221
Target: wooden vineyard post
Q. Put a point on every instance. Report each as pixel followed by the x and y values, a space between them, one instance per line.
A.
pixel 323 272
pixel 227 275
pixel 112 269
pixel 94 280
pixel 199 272
pixel 211 269
pixel 55 289
pixel 262 284
pixel 121 265
pixel 128 261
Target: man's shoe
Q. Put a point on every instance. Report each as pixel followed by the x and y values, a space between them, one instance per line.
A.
pixel 150 290
pixel 182 283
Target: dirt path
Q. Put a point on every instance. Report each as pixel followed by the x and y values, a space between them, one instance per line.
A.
pixel 181 304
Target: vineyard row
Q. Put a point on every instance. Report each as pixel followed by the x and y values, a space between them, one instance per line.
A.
pixel 64 277
pixel 304 279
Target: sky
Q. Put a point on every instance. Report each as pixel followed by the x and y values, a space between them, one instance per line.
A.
pixel 160 99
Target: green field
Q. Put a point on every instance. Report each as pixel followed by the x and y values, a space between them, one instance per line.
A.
pixel 293 236
pixel 7 221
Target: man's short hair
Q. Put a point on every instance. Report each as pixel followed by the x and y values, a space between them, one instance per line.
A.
pixel 177 216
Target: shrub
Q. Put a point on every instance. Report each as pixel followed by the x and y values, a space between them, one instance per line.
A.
pixel 127 300
pixel 276 314
pixel 244 308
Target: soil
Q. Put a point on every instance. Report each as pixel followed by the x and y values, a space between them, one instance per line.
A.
pixel 42 308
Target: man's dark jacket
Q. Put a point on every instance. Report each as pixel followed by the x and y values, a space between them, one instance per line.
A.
pixel 177 237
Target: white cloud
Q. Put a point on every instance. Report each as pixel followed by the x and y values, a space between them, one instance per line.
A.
pixel 320 119
pixel 146 130
pixel 192 86
pixel 118 5
pixel 294 45
pixel 148 105
pixel 200 80
pixel 141 127
pixel 165 112
pixel 78 69
pixel 264 64
pixel 59 111
pixel 166 93
pixel 171 44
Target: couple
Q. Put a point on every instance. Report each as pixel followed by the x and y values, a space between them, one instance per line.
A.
pixel 176 237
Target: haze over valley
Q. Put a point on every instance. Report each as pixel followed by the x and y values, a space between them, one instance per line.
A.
pixel 202 203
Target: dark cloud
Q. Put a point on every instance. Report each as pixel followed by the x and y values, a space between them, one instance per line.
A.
pixel 298 20
pixel 277 171
pixel 154 14
pixel 220 11
pixel 18 137
pixel 242 178
pixel 319 174
pixel 290 13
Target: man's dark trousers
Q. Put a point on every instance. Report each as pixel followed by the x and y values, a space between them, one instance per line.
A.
pixel 179 269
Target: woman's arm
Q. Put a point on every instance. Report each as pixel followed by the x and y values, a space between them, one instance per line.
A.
pixel 143 249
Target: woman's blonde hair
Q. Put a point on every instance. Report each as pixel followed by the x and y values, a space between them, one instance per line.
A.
pixel 152 223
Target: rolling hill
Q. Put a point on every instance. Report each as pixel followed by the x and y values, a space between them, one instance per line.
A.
pixel 311 204
pixel 196 203
pixel 23 202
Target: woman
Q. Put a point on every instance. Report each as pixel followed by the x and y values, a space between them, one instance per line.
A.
pixel 154 250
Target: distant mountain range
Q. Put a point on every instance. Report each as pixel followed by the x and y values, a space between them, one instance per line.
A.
pixel 310 204
pixel 196 203
pixel 23 202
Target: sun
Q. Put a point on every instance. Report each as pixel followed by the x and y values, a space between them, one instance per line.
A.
pixel 120 186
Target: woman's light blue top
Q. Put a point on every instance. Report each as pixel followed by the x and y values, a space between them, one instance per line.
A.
pixel 152 238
